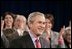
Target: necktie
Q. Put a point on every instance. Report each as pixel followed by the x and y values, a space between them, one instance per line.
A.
pixel 38 45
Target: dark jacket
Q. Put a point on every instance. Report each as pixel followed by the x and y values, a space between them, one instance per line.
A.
pixel 26 42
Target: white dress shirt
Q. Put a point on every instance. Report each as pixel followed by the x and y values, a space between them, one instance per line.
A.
pixel 33 38
pixel 20 32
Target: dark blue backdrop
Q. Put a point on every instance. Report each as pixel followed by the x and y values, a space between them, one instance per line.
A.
pixel 60 9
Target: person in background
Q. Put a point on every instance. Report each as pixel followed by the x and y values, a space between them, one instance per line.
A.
pixel 48 27
pixel 50 35
pixel 67 37
pixel 20 24
pixel 6 26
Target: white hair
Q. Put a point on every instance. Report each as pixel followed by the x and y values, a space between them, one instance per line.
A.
pixel 21 16
pixel 68 28
pixel 33 15
pixel 67 31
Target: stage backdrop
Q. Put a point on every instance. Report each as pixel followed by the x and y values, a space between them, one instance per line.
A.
pixel 60 9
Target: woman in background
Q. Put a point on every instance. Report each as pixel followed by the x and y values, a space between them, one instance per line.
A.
pixel 8 18
pixel 51 36
pixel 6 27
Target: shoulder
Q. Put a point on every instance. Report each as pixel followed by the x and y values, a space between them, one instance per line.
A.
pixel 8 31
pixel 22 38
pixel 20 41
pixel 55 33
pixel 44 42
pixel 41 38
pixel 43 35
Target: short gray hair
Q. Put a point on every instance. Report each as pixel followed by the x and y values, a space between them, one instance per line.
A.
pixel 33 15
pixel 21 16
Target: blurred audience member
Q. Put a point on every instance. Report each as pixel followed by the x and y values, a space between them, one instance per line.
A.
pixel 20 24
pixel 49 34
pixel 67 37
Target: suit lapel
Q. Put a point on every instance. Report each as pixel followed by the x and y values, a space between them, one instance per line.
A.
pixel 29 42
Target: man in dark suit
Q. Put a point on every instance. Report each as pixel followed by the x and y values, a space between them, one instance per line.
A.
pixel 36 25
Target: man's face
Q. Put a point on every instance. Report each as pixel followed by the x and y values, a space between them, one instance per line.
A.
pixel 20 23
pixel 38 26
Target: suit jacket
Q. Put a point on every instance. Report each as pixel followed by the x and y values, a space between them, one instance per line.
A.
pixel 26 42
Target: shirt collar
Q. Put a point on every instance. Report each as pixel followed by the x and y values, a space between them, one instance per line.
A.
pixel 33 38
